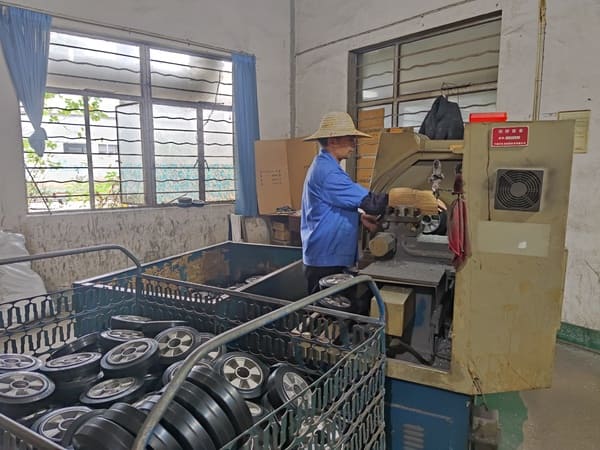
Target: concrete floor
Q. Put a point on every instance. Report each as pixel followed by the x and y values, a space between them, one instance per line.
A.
pixel 564 417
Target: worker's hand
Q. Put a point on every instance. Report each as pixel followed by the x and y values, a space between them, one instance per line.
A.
pixel 369 222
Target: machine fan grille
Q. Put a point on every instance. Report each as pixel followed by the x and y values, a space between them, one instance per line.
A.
pixel 518 189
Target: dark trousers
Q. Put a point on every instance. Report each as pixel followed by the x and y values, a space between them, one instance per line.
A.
pixel 314 273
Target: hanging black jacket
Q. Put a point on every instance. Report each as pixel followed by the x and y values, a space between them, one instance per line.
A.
pixel 443 121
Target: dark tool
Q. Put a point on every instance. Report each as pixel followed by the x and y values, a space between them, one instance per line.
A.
pixel 54 424
pixel 244 372
pixel 22 393
pixel 175 344
pixel 127 322
pixel 285 384
pixel 181 424
pixel 15 362
pixel 228 398
pixel 76 365
pixel 107 392
pixel 99 433
pixel 86 343
pixel 132 358
pixel 111 338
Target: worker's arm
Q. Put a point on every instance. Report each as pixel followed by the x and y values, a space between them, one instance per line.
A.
pixel 339 190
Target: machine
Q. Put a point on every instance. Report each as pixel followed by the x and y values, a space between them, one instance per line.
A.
pixel 484 321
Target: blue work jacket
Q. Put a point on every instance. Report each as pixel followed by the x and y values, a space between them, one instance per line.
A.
pixel 329 223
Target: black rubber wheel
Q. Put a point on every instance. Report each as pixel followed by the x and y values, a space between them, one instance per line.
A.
pixel 69 367
pixel 105 393
pixel 170 371
pixel 216 353
pixel 207 411
pixel 109 339
pixel 153 327
pixel 284 385
pixel 99 433
pixel 15 362
pixel 131 419
pixel 332 280
pixel 128 322
pixel 336 302
pixel 54 424
pixel 228 398
pixel 86 343
pixel 67 439
pixel 244 372
pixel 29 420
pixel 23 393
pixel 181 424
pixel 176 343
pixel 68 392
pixel 132 358
pixel 259 410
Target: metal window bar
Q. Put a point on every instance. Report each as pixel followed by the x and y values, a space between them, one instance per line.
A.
pixel 90 58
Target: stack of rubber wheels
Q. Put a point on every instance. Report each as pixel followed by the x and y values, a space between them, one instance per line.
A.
pixel 95 392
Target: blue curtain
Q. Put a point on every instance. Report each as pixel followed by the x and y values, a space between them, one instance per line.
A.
pixel 25 37
pixel 245 116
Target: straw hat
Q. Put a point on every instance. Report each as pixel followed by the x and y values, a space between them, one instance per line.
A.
pixel 336 124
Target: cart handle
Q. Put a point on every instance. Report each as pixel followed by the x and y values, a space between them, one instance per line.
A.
pixel 74 251
pixel 200 352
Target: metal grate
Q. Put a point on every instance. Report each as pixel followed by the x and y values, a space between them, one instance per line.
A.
pixel 130 125
pixel 413 437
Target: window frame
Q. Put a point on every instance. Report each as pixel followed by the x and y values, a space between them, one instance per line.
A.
pixel 146 103
pixel 354 105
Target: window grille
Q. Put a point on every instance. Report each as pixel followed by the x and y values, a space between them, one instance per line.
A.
pixel 131 125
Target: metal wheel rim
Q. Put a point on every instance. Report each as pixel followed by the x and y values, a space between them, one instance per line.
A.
pixel 174 343
pixel 128 352
pixel 110 388
pixel 293 385
pixel 57 424
pixel 124 334
pixel 22 385
pixel 332 280
pixel 71 360
pixel 215 353
pixel 255 410
pixel 133 318
pixel 243 373
pixel 338 302
pixel 12 361
pixel 432 224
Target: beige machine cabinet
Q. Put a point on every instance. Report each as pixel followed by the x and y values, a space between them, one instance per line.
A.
pixel 508 296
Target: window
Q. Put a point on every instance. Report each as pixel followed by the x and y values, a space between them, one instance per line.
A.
pixel 404 77
pixel 130 125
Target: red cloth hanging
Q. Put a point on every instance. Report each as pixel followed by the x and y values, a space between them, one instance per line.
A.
pixel 458 234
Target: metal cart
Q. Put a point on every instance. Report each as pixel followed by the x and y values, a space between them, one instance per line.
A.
pixel 343 354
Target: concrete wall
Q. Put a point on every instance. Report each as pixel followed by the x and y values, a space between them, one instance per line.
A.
pixel 327 31
pixel 150 233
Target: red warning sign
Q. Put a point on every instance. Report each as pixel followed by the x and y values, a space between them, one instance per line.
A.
pixel 510 136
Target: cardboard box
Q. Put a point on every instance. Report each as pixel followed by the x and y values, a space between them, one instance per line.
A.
pixel 281 167
pixel 282 235
pixel 399 308
pixel 279 226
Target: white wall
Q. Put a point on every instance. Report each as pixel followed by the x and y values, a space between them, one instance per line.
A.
pixel 327 31
pixel 233 24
